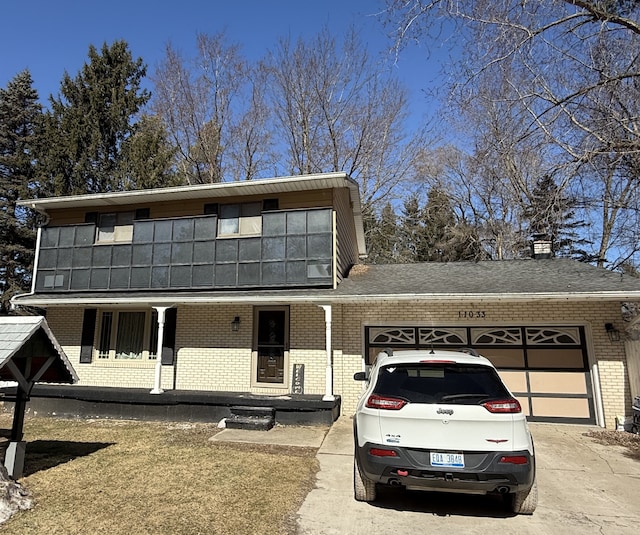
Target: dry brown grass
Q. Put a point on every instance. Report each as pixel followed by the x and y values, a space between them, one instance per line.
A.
pixel 117 477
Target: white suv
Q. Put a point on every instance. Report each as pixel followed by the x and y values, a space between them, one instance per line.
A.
pixel 442 421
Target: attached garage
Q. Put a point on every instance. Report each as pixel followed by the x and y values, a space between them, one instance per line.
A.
pixel 546 367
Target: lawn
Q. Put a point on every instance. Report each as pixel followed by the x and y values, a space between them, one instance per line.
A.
pixel 106 476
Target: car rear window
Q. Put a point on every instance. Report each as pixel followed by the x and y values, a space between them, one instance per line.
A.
pixel 441 383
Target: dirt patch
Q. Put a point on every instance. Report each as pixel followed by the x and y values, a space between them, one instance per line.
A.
pixel 630 441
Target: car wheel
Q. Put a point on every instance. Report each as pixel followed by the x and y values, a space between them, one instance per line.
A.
pixel 364 490
pixel 526 501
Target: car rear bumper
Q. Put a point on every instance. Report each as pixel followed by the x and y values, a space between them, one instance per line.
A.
pixel 483 472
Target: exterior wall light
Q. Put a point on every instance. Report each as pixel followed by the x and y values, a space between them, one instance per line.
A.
pixel 614 334
pixel 235 324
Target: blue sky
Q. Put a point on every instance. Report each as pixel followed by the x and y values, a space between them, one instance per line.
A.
pixel 51 36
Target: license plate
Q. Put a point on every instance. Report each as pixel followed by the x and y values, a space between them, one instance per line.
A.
pixel 451 460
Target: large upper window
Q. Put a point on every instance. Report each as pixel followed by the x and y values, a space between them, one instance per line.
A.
pixel 115 227
pixel 240 219
pixel 126 335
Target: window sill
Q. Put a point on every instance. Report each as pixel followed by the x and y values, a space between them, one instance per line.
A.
pixel 124 363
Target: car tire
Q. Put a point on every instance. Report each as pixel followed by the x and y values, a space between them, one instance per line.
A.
pixel 524 502
pixel 364 490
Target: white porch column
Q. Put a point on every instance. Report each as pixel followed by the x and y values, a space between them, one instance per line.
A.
pixel 328 395
pixel 157 389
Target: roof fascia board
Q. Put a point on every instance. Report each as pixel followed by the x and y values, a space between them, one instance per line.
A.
pixel 327 298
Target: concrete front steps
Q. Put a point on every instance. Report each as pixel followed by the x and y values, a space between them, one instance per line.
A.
pixel 251 418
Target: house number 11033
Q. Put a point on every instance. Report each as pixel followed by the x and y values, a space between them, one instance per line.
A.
pixel 472 314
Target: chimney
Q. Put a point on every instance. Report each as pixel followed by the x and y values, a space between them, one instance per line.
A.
pixel 541 247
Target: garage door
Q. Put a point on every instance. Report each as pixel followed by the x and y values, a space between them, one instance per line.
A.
pixel 546 368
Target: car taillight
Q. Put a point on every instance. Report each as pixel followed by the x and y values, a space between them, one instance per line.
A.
pixel 503 405
pixel 379 452
pixel 514 459
pixel 382 402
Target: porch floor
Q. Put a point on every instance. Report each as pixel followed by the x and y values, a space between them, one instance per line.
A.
pixel 173 405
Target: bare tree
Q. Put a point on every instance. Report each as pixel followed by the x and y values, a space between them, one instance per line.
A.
pixel 336 109
pixel 570 69
pixel 195 100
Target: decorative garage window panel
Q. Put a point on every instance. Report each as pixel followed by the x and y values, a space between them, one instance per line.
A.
pixel 546 368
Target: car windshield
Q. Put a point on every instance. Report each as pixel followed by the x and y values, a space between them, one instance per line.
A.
pixel 440 383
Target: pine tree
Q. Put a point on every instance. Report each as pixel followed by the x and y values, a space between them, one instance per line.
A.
pixel 91 121
pixel 382 237
pixel 20 120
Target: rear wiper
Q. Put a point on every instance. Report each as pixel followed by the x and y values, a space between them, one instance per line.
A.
pixel 449 397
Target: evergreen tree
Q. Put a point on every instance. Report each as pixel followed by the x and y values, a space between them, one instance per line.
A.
pixel 551 213
pixel 382 237
pixel 20 120
pixel 91 121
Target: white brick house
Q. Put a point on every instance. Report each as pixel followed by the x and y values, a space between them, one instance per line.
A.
pixel 256 289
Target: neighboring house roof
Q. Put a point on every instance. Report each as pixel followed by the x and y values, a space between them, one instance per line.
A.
pixel 29 337
pixel 507 280
pixel 271 186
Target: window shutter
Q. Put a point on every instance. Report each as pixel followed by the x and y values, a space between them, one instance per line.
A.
pixel 142 213
pixel 88 332
pixel 211 208
pixel 91 217
pixel 169 338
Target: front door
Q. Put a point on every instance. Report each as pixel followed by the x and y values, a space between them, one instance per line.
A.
pixel 272 345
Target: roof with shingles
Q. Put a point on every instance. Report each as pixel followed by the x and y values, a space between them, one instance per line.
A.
pixel 509 280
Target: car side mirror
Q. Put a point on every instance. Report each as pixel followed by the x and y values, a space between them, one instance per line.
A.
pixel 360 376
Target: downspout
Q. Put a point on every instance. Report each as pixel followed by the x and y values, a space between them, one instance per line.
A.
pixel 36 259
pixel 157 389
pixel 328 395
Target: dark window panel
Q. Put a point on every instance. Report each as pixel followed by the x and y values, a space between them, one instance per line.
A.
pixel 82 257
pixel 273 273
pixel 64 257
pixel 181 276
pixel 319 246
pixel 270 204
pixel 50 237
pixel 48 258
pixel 162 231
pixel 274 224
pixel 273 248
pixel 202 276
pixel 205 228
pixel 142 255
pixel 211 208
pixel 160 277
pixel 85 235
pixel 142 213
pixel 101 256
pixel 67 236
pixel 161 254
pixel 121 255
pixel 249 274
pixel 227 250
pixel 319 221
pixel 249 250
pixel 119 278
pixel 43 275
pixel 226 275
pixel 319 270
pixel 80 279
pixel 181 253
pixel 183 230
pixel 296 271
pixel 296 247
pixel 297 222
pixel 99 279
pixel 143 231
pixel 203 252
pixel 140 277
pixel 91 217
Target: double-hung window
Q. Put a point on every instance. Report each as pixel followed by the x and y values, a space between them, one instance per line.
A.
pixel 115 227
pixel 127 335
pixel 240 220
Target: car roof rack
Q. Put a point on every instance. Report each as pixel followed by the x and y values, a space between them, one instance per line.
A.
pixel 469 351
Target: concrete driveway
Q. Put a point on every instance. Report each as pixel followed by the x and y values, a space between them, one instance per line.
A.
pixel 583 487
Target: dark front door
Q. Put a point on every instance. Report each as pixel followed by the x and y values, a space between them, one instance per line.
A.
pixel 271 345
